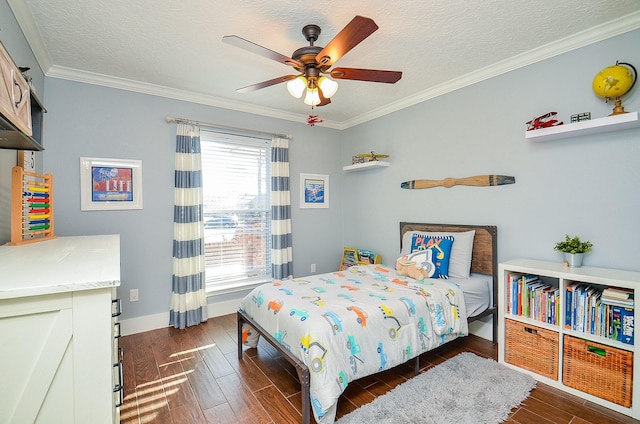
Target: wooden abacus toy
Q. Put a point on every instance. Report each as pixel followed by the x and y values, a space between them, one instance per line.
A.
pixel 31 207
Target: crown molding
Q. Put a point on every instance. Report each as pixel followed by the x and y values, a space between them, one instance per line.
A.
pixel 593 35
pixel 103 80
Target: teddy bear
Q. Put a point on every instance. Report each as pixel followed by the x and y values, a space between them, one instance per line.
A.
pixel 417 265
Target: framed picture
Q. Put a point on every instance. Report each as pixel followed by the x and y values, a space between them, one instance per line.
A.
pixel 314 191
pixel 110 184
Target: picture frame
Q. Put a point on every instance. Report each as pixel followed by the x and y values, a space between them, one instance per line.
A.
pixel 110 184
pixel 314 191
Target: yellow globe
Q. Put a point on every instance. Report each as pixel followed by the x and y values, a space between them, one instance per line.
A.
pixel 613 82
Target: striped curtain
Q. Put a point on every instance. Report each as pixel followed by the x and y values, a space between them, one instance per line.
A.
pixel 281 249
pixel 188 298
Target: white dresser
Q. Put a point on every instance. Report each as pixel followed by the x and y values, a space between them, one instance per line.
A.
pixel 59 356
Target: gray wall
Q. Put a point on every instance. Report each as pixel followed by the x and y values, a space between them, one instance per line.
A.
pixel 92 121
pixel 586 185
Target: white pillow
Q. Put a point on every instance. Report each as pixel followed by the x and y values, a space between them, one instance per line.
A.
pixel 461 250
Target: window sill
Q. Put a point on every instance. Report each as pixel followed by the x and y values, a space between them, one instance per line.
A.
pixel 234 287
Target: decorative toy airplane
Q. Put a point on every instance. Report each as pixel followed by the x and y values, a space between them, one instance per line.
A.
pixel 312 120
pixel 372 156
pixel 543 121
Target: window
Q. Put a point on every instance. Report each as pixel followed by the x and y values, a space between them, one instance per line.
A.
pixel 236 174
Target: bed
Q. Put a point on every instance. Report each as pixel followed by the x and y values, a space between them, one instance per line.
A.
pixel 337 327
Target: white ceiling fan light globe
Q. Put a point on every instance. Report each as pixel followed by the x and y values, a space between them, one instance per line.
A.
pixel 296 86
pixel 312 98
pixel 328 86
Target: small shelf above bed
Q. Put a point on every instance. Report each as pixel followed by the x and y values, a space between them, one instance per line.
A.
pixel 365 165
pixel 592 126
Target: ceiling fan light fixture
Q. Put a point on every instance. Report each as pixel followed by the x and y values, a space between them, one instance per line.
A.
pixel 313 62
pixel 312 98
pixel 296 86
pixel 328 86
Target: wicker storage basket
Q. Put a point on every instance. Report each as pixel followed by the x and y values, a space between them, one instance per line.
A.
pixel 532 348
pixel 600 370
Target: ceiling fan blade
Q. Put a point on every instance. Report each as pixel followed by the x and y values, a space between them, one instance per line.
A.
pixel 373 75
pixel 247 45
pixel 265 84
pixel 351 35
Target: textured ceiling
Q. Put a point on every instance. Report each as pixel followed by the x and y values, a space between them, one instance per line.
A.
pixel 173 48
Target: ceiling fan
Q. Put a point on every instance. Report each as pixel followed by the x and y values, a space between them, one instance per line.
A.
pixel 313 62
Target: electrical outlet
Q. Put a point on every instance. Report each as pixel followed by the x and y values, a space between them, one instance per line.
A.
pixel 133 295
pixel 313 267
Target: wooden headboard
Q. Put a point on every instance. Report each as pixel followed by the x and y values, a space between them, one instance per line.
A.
pixel 484 259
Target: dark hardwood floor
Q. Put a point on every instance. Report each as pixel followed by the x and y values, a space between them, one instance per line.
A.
pixel 194 376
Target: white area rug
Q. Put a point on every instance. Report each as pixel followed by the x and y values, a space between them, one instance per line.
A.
pixel 465 389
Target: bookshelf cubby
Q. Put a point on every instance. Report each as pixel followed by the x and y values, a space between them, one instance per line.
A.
pixel 556 324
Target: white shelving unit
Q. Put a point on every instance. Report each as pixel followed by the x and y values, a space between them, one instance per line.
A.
pixel 556 273
pixel 365 165
pixel 592 126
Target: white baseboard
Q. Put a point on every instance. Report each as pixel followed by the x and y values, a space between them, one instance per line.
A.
pixel 144 323
pixel 153 322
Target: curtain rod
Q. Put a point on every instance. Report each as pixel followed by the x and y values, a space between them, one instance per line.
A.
pixel 171 119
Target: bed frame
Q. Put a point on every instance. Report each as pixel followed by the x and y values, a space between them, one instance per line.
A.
pixel 484 261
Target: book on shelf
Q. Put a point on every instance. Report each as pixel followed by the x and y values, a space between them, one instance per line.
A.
pixel 518 286
pixel 569 305
pixel 593 312
pixel 616 323
pixel 529 296
pixel 626 325
pixel 512 292
pixel 617 293
pixel 616 302
pixel 587 310
pixel 621 324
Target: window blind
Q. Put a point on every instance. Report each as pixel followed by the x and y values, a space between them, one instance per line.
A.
pixel 237 210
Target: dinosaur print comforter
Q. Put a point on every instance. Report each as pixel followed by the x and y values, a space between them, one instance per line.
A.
pixel 353 323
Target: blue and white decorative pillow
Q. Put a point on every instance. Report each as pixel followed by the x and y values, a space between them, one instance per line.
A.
pixel 441 248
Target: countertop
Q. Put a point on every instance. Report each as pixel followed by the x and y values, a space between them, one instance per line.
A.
pixel 63 264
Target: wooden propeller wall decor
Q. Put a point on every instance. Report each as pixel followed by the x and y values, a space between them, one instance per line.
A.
pixel 477 181
pixel 314 62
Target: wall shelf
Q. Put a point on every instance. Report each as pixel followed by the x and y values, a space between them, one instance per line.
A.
pixel 365 165
pixel 592 126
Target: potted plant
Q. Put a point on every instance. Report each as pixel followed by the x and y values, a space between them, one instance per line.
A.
pixel 573 249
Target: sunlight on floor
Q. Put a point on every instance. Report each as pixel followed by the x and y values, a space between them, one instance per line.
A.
pixel 153 396
pixel 150 401
pixel 184 352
